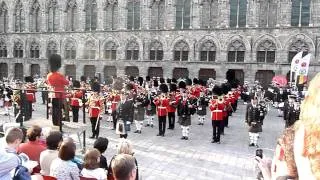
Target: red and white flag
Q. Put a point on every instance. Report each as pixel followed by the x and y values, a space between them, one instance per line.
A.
pixel 295 63
pixel 304 65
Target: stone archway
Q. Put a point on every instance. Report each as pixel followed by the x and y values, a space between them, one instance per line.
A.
pixel 18 71
pixel 3 70
pixel 180 73
pixel 109 72
pixel 264 77
pixel 235 77
pixel 89 71
pixel 35 70
pixel 155 72
pixel 71 71
pixel 132 71
pixel 205 73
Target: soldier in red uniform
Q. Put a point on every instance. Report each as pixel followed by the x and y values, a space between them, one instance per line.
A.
pixel 217 115
pixel 172 106
pixel 57 83
pixel 76 100
pixel 114 99
pixel 162 103
pixel 30 97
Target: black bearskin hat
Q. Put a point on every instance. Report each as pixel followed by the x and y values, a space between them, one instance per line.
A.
pixel 29 79
pixel 225 88
pixel 117 84
pixel 163 88
pixel 188 82
pixel 162 81
pixel 174 80
pixel 129 86
pixel 131 78
pixel 95 87
pixel 173 87
pixel 155 83
pixel 195 81
pixel 182 85
pixel 147 78
pixel 54 62
pixel 83 78
pixel 76 84
pixel 217 90
pixel 202 82
pixel 168 80
pixel 140 80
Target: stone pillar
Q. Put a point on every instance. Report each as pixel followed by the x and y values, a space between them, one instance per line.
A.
pixel 10 70
pixel 122 15
pixel 26 69
pixel 170 15
pixel 195 14
pixel 26 18
pixel 143 71
pixel 82 17
pixel 224 13
pixel 10 19
pixel 100 15
pixel 285 12
pixel 79 70
pixel 315 13
pixel 61 19
pixel 167 70
pixel 144 16
pixel 43 21
pixel 221 73
pixel 121 71
pixel 252 14
pixel 222 56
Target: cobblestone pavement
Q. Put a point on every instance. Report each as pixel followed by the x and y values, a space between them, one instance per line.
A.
pixel 171 158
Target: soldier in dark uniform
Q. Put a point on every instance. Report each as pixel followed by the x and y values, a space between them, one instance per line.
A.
pixel 253 121
pixel 291 111
pixel 123 115
pixel 139 111
pixel 202 104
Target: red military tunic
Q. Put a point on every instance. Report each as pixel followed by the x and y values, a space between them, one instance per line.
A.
pixel 162 104
pixel 115 99
pixel 217 111
pixel 172 104
pixel 96 106
pixel 57 81
pixel 30 92
pixel 76 98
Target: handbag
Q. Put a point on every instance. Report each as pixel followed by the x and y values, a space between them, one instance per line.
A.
pixel 120 127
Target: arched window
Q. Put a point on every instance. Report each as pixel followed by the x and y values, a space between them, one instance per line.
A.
pixel 53 17
pixel 236 51
pixel 208 51
pixel 19 17
pixel 110 51
pixel 209 13
pixel 3 49
pixel 132 51
pixel 183 14
pixel 90 50
pixel 111 15
pixel 3 17
pixel 156 51
pixel 34 50
pixel 266 52
pixel 300 13
pixel 52 48
pixel 267 13
pixel 18 49
pixel 238 13
pixel 91 15
pixel 3 71
pixel 35 17
pixel 181 51
pixel 157 14
pixel 296 47
pixel 71 20
pixel 133 18
pixel 70 51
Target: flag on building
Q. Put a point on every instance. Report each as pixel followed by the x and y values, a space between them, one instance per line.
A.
pixel 304 65
pixel 295 63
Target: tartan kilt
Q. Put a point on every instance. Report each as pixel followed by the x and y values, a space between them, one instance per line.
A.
pixel 184 121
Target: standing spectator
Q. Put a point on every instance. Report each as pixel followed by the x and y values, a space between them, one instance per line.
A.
pixel 91 166
pixel 102 144
pixel 63 168
pixel 124 167
pixel 47 156
pixel 33 147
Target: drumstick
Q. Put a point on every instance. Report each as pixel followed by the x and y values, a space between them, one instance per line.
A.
pixel 98 119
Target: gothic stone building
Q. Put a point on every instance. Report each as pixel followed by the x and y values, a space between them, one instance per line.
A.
pixel 233 39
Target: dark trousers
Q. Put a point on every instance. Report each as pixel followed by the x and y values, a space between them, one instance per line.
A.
pixel 226 121
pixel 217 128
pixel 114 119
pixel 28 110
pixel 162 124
pixel 124 136
pixel 75 113
pixel 95 131
pixel 172 119
pixel 56 111
pixel 44 96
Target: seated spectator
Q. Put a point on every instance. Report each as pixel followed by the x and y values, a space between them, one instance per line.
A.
pixel 63 168
pixel 9 159
pixel 124 147
pixel 102 144
pixel 124 167
pixel 34 146
pixel 91 166
pixel 47 156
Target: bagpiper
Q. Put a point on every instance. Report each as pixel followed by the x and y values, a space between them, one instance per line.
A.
pixel 202 104
pixel 162 103
pixel 291 111
pixel 123 115
pixel 253 121
pixel 151 107
pixel 141 102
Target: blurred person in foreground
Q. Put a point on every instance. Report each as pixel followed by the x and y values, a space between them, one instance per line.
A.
pixel 124 167
pixel 91 165
pixel 102 144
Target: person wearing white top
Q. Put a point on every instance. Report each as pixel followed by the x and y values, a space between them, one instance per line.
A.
pixel 91 166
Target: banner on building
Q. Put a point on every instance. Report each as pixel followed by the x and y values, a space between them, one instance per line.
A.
pixel 304 65
pixel 295 63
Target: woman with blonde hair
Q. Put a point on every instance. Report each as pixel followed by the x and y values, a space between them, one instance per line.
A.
pixel 124 147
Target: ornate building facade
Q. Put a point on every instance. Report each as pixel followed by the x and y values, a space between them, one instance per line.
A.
pixel 233 39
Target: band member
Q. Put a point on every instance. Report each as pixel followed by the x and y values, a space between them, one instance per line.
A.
pixel 217 108
pixel 30 96
pixel 185 110
pixel 202 104
pixel 172 106
pixel 57 82
pixel 76 100
pixel 96 108
pixel 115 99
pixel 123 114
pixel 151 108
pixel 44 93
pixel 253 121
pixel 139 110
pixel 162 102
pixel 291 111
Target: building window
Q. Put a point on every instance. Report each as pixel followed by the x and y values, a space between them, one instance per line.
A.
pixel 236 51
pixel 267 13
pixel 133 17
pixel 132 51
pixel 71 12
pixel 35 17
pixel 208 51
pixel 34 50
pixel 209 13
pixel 91 15
pixel 297 47
pixel 238 13
pixel 157 14
pixel 181 51
pixel 156 51
pixel 300 13
pixel 266 52
pixel 90 50
pixel 110 51
pixel 18 50
pixel 52 48
pixel 18 17
pixel 183 14
pixel 70 50
pixel 53 18
pixel 3 18
pixel 111 16
pixel 3 49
